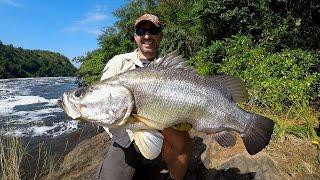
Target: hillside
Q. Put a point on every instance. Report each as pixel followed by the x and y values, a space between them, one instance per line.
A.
pixel 20 63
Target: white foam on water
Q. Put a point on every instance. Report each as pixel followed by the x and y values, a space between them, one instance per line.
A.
pixel 14 87
pixel 39 112
pixel 68 127
pixel 40 130
pixel 7 105
pixel 16 133
pixel 17 92
pixel 25 117
pixel 64 128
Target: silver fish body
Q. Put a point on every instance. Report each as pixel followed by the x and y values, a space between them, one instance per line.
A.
pixel 167 93
pixel 170 97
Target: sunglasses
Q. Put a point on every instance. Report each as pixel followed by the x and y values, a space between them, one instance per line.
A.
pixel 151 31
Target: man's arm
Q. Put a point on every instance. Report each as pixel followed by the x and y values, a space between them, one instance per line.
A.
pixel 176 151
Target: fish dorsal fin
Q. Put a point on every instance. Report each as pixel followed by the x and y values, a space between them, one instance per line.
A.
pixel 149 142
pixel 234 85
pixel 172 60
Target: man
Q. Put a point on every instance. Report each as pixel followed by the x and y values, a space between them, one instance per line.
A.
pixel 123 157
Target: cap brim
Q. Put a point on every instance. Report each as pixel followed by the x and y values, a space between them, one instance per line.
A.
pixel 157 25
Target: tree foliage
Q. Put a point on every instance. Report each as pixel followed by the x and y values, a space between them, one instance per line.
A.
pixel 92 66
pixel 279 80
pixel 18 62
pixel 271 44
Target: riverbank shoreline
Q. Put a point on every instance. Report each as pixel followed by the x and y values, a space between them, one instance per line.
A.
pixel 288 158
pixel 78 155
pixel 46 153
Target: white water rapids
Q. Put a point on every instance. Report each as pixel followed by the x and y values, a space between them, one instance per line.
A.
pixel 28 106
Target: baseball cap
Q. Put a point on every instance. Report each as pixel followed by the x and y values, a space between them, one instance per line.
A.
pixel 149 17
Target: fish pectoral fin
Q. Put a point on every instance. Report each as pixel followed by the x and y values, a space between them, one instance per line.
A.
pixel 149 142
pixel 226 138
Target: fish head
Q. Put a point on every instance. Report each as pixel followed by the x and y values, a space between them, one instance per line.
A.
pixel 105 104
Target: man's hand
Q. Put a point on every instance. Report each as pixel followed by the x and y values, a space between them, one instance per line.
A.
pixel 176 151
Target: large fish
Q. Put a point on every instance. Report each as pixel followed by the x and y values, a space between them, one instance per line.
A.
pixel 166 93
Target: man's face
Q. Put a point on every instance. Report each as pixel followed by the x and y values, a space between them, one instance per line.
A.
pixel 148 43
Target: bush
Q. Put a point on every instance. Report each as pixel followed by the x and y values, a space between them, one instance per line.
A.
pixel 281 80
pixel 208 60
pixel 92 67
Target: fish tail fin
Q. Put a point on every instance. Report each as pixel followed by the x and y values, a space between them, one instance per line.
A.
pixel 258 133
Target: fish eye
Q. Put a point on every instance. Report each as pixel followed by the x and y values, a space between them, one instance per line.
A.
pixel 78 93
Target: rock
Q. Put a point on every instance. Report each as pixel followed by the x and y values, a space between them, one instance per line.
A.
pixel 46 153
pixel 262 166
pixel 208 161
pixel 234 162
pixel 82 162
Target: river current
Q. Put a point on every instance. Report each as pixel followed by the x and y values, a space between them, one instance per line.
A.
pixel 29 108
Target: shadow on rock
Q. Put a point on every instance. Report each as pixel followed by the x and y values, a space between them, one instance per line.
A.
pixel 196 170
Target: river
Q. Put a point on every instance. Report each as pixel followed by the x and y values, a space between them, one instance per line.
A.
pixel 28 107
pixel 29 110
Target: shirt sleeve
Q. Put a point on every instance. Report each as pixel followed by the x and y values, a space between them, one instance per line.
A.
pixel 111 68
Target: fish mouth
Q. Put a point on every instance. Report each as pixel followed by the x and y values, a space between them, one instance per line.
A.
pixel 69 108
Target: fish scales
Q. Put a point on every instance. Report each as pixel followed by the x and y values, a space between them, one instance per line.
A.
pixel 170 97
pixel 164 94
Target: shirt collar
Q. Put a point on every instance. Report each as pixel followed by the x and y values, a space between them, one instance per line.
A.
pixel 135 58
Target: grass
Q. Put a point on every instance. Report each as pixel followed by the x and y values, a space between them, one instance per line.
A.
pixel 294 135
pixel 46 163
pixel 299 122
pixel 11 154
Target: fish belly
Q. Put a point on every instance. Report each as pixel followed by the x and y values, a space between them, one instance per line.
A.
pixel 219 119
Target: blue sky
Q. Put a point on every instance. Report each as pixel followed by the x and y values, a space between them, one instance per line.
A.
pixel 65 26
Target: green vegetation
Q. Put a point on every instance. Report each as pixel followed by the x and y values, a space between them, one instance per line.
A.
pixel 279 80
pixel 18 63
pixel 273 45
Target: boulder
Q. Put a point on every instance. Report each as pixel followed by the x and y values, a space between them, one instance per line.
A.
pixel 82 162
pixel 208 161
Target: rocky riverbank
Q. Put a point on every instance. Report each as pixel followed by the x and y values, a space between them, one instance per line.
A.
pixel 290 158
pixel 43 154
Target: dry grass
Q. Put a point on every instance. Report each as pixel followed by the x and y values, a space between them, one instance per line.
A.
pixel 11 156
pixel 296 158
pixel 46 163
pixel 12 153
pixel 295 145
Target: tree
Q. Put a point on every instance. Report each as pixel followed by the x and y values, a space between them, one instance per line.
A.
pixel 19 62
